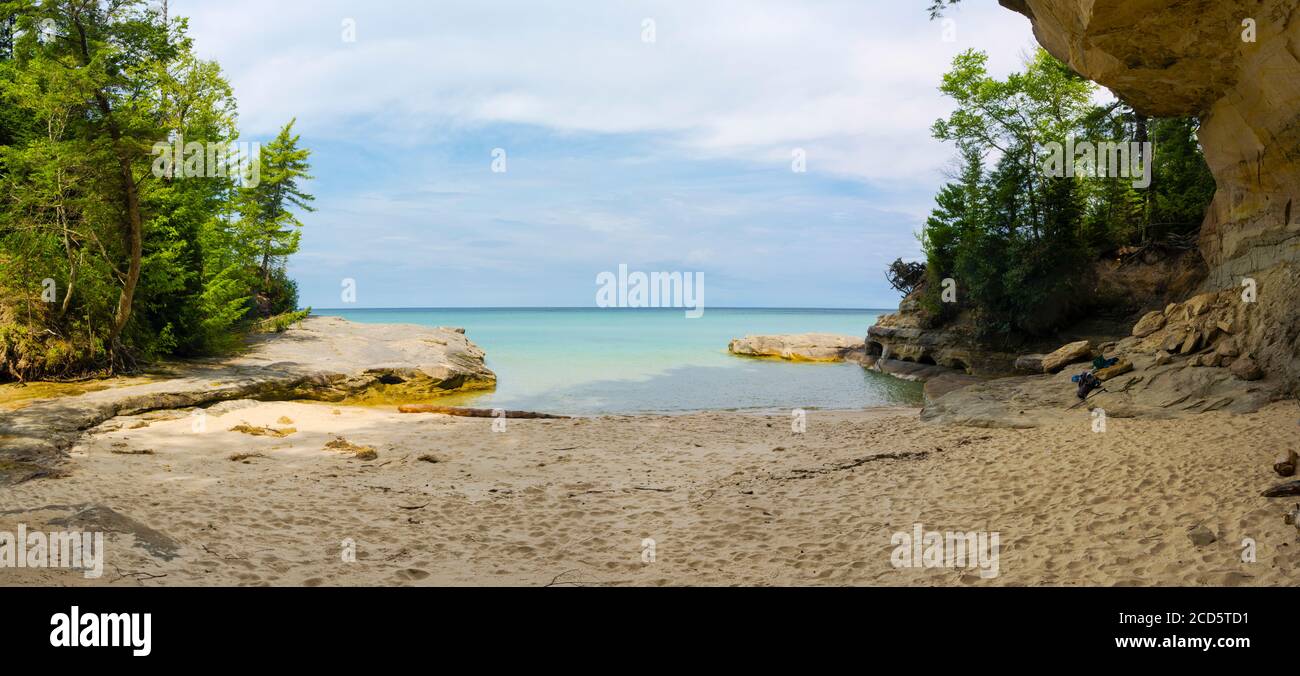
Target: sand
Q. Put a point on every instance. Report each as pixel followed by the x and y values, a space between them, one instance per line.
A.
pixel 728 499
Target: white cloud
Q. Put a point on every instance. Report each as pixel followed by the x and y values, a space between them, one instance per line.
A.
pixel 853 82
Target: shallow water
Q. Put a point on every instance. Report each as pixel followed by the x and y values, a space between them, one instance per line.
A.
pixel 596 361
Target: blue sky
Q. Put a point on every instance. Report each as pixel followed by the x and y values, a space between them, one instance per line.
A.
pixel 671 155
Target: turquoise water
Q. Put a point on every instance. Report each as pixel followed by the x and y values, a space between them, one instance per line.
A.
pixel 594 361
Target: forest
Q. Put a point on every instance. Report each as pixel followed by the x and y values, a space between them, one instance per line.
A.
pixel 1016 238
pixel 136 224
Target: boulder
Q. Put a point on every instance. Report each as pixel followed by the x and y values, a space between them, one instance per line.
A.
pixel 1030 363
pixel 1246 369
pixel 1227 348
pixel 1069 354
pixel 1201 304
pixel 1149 324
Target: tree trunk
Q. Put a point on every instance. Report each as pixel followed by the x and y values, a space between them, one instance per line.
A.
pixel 133 238
pixel 1142 137
pixel 132 227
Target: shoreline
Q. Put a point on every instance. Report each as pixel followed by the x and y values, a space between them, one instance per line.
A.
pixel 272 492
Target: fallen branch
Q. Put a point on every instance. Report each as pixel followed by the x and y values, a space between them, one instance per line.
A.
pixel 477 412
pixel 810 473
pixel 1285 490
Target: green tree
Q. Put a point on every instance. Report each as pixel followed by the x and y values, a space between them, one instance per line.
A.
pixel 104 259
pixel 1020 240
pixel 269 221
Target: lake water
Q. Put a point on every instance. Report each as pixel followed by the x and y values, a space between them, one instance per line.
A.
pixel 584 361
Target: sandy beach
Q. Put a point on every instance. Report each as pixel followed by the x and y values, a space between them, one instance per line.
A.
pixel 727 498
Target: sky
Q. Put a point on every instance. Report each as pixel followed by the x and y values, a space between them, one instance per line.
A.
pixel 665 136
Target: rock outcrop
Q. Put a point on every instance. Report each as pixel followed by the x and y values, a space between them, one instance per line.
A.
pixel 1191 364
pixel 324 359
pixel 1236 65
pixel 827 347
pixel 904 336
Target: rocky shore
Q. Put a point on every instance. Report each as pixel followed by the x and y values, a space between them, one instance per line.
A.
pixel 1192 357
pixel 322 359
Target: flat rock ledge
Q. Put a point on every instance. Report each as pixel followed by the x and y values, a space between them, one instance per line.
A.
pixel 1150 390
pixel 821 347
pixel 322 359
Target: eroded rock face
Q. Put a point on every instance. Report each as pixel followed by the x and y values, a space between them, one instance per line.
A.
pixel 1196 58
pixel 904 337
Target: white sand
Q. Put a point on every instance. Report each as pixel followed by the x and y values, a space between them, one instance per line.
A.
pixel 730 499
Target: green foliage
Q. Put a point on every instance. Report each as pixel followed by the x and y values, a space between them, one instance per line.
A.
pixel 268 221
pixel 281 322
pixel 143 263
pixel 1020 242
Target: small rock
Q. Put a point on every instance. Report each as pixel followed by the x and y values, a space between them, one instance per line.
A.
pixel 1149 324
pixel 1201 536
pixel 1172 342
pixel 1227 326
pixel 1163 358
pixel 1246 369
pixel 1190 343
pixel 1285 464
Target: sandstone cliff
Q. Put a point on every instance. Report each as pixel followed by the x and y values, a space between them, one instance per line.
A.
pixel 1237 66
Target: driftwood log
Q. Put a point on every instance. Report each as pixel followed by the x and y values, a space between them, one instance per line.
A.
pixel 1287 489
pixel 1285 465
pixel 477 412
